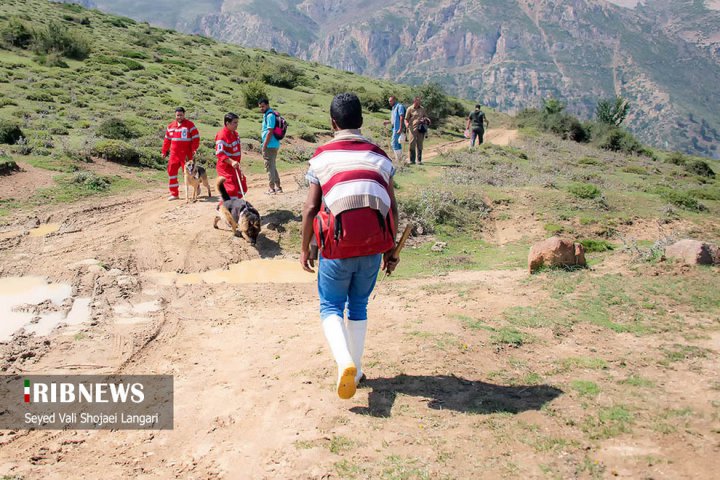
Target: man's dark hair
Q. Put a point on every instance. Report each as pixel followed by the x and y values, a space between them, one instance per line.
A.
pixel 346 110
pixel 264 101
pixel 180 109
pixel 229 117
pixel 478 106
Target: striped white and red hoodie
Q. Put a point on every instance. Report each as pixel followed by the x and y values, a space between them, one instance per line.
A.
pixel 352 172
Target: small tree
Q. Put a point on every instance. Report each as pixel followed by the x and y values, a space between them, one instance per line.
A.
pixel 552 106
pixel 435 100
pixel 16 34
pixel 253 92
pixel 612 111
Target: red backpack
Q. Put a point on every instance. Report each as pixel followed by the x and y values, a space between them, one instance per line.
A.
pixel 353 233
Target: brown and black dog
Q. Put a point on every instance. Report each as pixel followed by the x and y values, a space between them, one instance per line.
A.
pixel 195 176
pixel 242 217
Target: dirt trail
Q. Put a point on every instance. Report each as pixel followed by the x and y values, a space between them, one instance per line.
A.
pixel 253 377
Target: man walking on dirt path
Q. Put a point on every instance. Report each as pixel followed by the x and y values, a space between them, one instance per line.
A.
pixel 351 211
pixel 397 123
pixel 416 121
pixel 182 140
pixel 475 122
pixel 228 150
pixel 270 146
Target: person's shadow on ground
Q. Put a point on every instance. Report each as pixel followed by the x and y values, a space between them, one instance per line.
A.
pixel 455 393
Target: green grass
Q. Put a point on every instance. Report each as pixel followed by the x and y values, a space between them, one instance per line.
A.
pixel 585 388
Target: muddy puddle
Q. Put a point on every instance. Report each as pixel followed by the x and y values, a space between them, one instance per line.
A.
pixel 252 271
pixel 38 306
pixel 46 229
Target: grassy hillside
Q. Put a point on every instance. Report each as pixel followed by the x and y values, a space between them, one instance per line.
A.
pixel 129 71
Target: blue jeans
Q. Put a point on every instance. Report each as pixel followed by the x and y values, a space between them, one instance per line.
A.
pixel 347 283
pixel 396 141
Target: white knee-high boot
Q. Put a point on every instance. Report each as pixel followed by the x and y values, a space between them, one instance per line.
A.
pixel 356 330
pixel 334 329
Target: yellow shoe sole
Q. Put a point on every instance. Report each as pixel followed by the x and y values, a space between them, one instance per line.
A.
pixel 346 385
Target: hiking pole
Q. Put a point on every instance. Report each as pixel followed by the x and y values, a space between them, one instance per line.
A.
pixel 396 250
pixel 237 175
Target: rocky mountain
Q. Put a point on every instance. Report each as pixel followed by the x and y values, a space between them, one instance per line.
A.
pixel 663 55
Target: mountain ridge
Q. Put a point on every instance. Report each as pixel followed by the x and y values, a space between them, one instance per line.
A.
pixel 508 55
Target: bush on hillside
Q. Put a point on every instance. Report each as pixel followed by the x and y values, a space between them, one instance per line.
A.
pixel 116 129
pixel 436 102
pixel 51 60
pixel 117 151
pixel 57 38
pixel 683 200
pixel 283 75
pixel 617 139
pixel 612 111
pixel 16 34
pixel 372 102
pixel 584 190
pixel 433 208
pixel 10 132
pixel 91 181
pixel 7 164
pixel 552 119
pixel 700 167
pixel 253 92
pixel 676 158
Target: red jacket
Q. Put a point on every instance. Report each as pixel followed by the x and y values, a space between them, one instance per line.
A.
pixel 227 145
pixel 182 140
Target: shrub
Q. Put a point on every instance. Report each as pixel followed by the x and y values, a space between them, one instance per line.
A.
pixel 682 199
pixel 16 34
pixel 56 38
pixel 7 164
pixel 433 208
pixel 308 136
pixel 612 111
pixel 597 245
pixel 436 102
pixel 51 60
pixel 700 167
pixel 91 181
pixel 553 119
pixel 116 129
pixel 676 158
pixel 295 154
pixel 584 190
pixel 283 75
pixel 116 151
pixel 373 102
pixel 10 132
pixel 252 92
pixel 619 140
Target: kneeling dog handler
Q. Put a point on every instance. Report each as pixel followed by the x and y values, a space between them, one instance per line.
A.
pixel 351 212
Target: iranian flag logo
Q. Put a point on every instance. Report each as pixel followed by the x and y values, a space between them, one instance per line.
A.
pixel 27 391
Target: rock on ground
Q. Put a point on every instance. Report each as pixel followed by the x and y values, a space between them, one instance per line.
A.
pixel 556 252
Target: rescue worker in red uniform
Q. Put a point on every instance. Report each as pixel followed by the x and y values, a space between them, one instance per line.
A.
pixel 228 151
pixel 182 140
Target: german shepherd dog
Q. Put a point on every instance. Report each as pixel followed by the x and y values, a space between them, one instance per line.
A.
pixel 242 217
pixel 195 176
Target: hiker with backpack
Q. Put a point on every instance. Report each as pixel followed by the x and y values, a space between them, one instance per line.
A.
pixel 351 213
pixel 273 130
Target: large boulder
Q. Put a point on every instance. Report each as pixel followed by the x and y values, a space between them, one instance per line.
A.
pixel 694 252
pixel 556 252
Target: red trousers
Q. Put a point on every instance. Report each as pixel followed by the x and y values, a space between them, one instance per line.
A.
pixel 231 179
pixel 174 166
